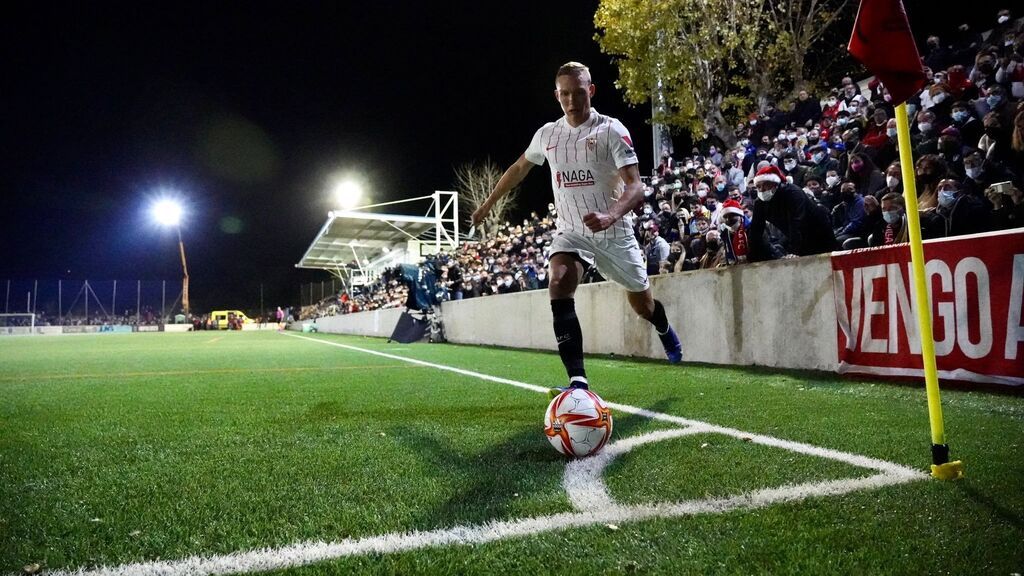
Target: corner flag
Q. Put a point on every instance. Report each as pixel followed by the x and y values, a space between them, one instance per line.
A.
pixel 882 41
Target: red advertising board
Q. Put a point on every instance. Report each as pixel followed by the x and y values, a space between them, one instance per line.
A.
pixel 976 287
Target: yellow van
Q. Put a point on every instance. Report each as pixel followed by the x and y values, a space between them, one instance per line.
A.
pixel 219 318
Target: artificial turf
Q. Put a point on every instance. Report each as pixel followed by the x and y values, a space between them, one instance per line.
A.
pixel 126 448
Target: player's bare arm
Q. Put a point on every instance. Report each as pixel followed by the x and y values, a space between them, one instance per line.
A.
pixel 509 180
pixel 632 194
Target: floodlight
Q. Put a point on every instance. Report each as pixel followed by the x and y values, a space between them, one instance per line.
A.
pixel 348 194
pixel 167 212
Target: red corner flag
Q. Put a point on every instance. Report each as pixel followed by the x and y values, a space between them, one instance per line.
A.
pixel 882 41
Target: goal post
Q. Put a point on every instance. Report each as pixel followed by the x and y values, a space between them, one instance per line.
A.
pixel 18 323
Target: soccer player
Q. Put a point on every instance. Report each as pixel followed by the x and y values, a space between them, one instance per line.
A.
pixel 596 186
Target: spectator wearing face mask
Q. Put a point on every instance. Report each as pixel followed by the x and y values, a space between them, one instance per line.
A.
pixel 876 135
pixel 857 109
pixel 956 213
pixel 865 176
pixel 893 181
pixel 676 258
pixel 941 102
pixel 813 139
pixel 1004 24
pixel 803 223
pixel 925 137
pixel 542 279
pixel 967 123
pixel 892 228
pixel 848 217
pixel 928 171
pixel 831 109
pixel 952 151
pixel 714 252
pixel 842 122
pixel 794 172
pixel 812 187
pixel 997 141
pixel 979 174
pixel 712 205
pixel 666 219
pixel 720 184
pixel 984 70
pixel 820 163
pixel 714 156
pixel 508 285
pixel 996 102
pixel 830 191
pixel 733 233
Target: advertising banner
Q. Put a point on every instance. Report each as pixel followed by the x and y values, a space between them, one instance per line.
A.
pixel 976 287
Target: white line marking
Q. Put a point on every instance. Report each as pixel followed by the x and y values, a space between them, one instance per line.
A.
pixel 582 482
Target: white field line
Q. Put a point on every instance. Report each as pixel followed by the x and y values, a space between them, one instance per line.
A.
pixel 808 449
pixel 582 482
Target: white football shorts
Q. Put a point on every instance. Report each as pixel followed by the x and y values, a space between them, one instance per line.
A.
pixel 617 259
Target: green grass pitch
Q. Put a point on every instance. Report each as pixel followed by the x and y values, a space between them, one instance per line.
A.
pixel 118 449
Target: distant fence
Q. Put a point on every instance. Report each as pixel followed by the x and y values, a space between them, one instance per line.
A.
pixel 314 292
pixel 88 302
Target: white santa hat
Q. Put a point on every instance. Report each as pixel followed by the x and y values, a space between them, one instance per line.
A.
pixel 769 174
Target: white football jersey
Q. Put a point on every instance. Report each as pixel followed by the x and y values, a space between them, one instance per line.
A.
pixel 585 163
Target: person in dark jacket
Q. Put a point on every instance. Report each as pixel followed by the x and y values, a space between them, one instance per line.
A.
pixel 864 174
pixel 805 224
pixel 806 111
pixel 958 213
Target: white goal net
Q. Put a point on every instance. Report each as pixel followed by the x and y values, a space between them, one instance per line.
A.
pixel 23 323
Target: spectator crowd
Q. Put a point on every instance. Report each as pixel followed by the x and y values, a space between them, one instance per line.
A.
pixel 818 173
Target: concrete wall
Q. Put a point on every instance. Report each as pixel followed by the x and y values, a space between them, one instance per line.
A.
pixel 779 314
pixel 374 323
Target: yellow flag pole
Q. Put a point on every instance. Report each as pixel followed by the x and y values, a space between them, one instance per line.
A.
pixel 942 468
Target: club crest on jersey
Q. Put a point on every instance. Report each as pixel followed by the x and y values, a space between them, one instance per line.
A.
pixel 592 143
pixel 574 178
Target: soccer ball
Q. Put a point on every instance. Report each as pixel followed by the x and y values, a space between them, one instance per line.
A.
pixel 578 423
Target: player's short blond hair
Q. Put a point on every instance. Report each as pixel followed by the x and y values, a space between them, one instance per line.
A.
pixel 574 69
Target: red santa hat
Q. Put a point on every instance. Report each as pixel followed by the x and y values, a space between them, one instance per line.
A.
pixel 769 174
pixel 732 207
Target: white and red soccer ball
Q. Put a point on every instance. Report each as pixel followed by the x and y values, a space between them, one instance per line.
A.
pixel 578 423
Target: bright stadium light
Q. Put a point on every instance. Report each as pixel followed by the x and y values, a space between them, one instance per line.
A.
pixel 348 194
pixel 167 212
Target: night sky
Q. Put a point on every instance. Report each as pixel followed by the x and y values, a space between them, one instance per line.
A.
pixel 247 112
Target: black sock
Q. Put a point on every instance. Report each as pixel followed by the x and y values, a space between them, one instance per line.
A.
pixel 659 319
pixel 569 336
